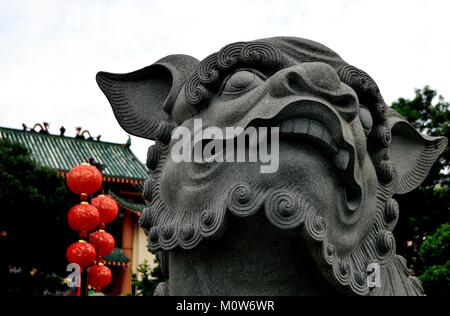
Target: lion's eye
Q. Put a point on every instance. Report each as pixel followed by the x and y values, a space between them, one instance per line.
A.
pixel 241 81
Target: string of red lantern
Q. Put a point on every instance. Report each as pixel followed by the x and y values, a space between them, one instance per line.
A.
pixel 107 208
pixel 83 218
pixel 99 276
pixel 85 180
pixel 103 242
pixel 82 253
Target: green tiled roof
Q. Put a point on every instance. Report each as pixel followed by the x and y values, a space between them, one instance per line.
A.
pixel 126 204
pixel 62 153
pixel 117 255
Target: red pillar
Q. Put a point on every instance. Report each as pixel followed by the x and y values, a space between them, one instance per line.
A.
pixel 127 246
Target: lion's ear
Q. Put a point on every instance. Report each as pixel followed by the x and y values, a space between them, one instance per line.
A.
pixel 143 98
pixel 411 152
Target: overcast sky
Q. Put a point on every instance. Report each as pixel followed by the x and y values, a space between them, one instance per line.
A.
pixel 50 50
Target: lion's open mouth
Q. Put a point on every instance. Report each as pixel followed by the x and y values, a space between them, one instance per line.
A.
pixel 316 132
pixel 307 120
pixel 297 129
pixel 315 121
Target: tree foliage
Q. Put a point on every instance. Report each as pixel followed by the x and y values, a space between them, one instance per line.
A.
pixel 33 226
pixel 426 208
pixel 146 279
pixel 434 255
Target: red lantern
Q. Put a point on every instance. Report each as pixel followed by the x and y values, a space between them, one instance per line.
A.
pixel 107 207
pixel 81 253
pixel 83 217
pixel 84 179
pixel 99 276
pixel 103 242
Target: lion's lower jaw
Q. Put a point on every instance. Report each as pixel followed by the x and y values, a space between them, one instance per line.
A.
pixel 255 259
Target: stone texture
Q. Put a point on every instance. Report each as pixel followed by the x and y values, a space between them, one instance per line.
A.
pixel 311 228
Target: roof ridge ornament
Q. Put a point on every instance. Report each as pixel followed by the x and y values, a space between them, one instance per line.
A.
pixel 81 134
pixel 128 143
pixel 37 128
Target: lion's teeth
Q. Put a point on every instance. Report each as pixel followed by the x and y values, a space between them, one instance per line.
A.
pixel 287 126
pixel 316 130
pixel 333 147
pixel 326 137
pixel 301 126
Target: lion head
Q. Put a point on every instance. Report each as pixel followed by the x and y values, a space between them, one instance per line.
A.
pixel 342 154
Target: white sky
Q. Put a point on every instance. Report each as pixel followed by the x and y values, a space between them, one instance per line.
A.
pixel 50 50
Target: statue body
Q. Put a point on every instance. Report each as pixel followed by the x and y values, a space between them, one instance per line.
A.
pixel 266 268
pixel 319 219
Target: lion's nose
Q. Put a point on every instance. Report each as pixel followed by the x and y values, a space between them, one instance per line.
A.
pixel 318 75
pixel 317 79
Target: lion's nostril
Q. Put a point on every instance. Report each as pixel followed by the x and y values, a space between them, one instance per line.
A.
pixel 295 83
pixel 354 197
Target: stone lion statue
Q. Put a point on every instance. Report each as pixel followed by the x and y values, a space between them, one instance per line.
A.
pixel 322 223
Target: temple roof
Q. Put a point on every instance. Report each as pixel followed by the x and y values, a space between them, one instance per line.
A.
pixel 61 153
pixel 116 257
pixel 125 204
